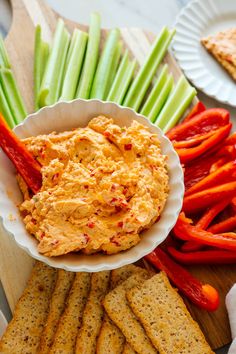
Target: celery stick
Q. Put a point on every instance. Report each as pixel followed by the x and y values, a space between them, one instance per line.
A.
pixel 44 58
pixel 4 59
pixel 189 95
pixel 114 68
pixel 74 65
pixel 41 50
pixel 155 91
pixel 12 95
pixel 122 80
pixel 52 78
pixel 159 103
pixel 175 105
pixel 146 73
pixel 105 69
pixel 5 110
pixel 91 57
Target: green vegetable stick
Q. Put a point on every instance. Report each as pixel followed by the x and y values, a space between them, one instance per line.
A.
pixel 146 73
pixel 155 92
pixel 189 95
pixel 74 66
pixel 12 94
pixel 173 105
pixel 44 58
pixel 41 50
pixel 159 103
pixel 102 79
pixel 91 57
pixel 122 80
pixel 114 67
pixel 5 110
pixel 52 78
pixel 4 59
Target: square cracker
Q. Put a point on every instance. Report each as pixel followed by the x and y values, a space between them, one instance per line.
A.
pixel 111 339
pixel 93 314
pixel 23 332
pixel 57 305
pixel 165 318
pixel 71 319
pixel 118 310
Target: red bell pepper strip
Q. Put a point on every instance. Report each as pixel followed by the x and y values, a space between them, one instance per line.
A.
pixel 188 154
pixel 211 213
pixel 203 223
pixel 203 257
pixel 194 141
pixel 225 173
pixel 203 199
pixel 233 204
pixel 197 170
pixel 24 162
pixel 198 108
pixel 187 232
pixel 204 296
pixel 207 121
pixel 224 226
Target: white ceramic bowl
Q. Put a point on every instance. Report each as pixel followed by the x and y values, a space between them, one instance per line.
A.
pixel 65 116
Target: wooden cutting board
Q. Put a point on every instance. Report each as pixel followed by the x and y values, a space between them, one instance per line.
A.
pixel 15 264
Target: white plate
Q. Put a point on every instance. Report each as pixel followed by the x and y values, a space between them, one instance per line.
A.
pixel 65 116
pixel 198 19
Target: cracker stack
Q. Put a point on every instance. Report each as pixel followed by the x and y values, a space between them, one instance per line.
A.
pixel 24 331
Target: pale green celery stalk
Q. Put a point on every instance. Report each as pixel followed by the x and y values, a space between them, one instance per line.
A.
pixel 74 66
pixel 146 73
pixel 176 104
pixel 5 110
pixel 44 58
pixel 159 103
pixel 114 67
pixel 53 74
pixel 91 57
pixel 41 50
pixel 189 95
pixel 4 59
pixel 105 66
pixel 155 91
pixel 122 80
pixel 12 94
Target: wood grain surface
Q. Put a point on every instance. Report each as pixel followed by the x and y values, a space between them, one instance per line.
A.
pixel 15 264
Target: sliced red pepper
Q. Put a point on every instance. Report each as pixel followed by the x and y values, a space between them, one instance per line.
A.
pixel 187 232
pixel 203 199
pixel 188 154
pixel 207 121
pixel 224 226
pixel 211 213
pixel 194 141
pixel 24 162
pixel 197 170
pixel 233 204
pixel 204 296
pixel 203 223
pixel 198 108
pixel 225 173
pixel 203 257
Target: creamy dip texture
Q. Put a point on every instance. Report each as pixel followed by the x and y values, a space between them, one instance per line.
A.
pixel 102 185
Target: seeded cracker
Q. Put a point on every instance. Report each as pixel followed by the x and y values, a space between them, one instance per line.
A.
pixel 165 318
pixel 57 306
pixel 23 332
pixel 111 339
pixel 128 349
pixel 118 310
pixel 70 321
pixel 93 314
